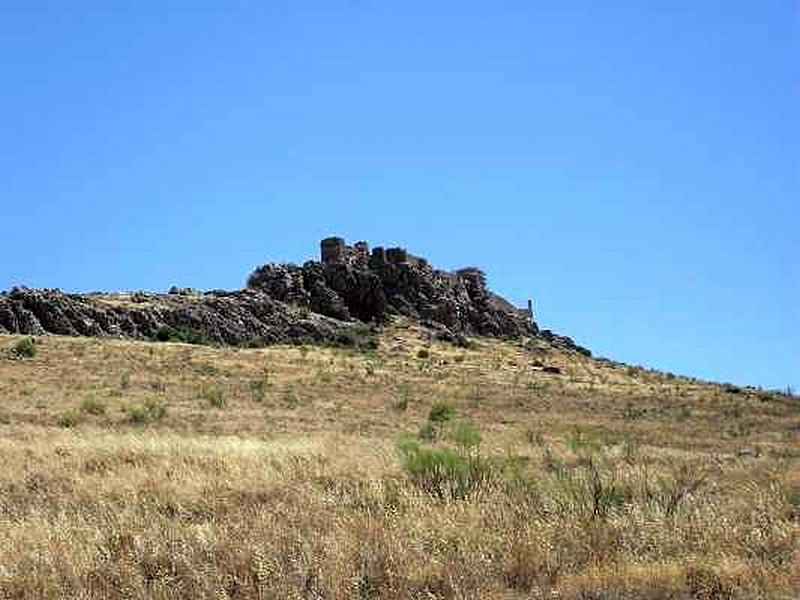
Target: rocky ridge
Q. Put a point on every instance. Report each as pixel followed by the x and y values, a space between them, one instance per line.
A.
pixel 326 301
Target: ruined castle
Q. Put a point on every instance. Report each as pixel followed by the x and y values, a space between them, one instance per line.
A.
pixel 334 250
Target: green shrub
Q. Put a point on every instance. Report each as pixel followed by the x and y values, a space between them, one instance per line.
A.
pixel 68 419
pixel 423 353
pixel 182 333
pixel 441 412
pixel 601 492
pixel 25 348
pixel 401 404
pixel 465 436
pixel 151 410
pixel 534 437
pixel 258 388
pixel 362 336
pixel 403 398
pixel 291 398
pixel 442 472
pixel 92 406
pixel 582 443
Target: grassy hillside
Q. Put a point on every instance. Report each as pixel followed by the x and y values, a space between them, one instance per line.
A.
pixel 144 470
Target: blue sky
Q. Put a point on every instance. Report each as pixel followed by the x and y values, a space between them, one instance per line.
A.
pixel 634 167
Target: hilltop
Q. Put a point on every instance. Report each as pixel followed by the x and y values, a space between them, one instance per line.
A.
pixel 325 301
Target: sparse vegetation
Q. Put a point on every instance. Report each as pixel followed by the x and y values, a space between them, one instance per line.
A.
pixel 68 418
pixel 215 397
pixel 92 406
pixel 24 348
pixel 151 410
pixel 322 480
pixel 182 333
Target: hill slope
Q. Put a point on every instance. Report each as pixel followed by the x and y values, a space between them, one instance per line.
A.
pixel 417 470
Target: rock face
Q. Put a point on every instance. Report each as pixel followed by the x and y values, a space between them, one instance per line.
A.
pixel 350 282
pixel 325 301
pixel 247 317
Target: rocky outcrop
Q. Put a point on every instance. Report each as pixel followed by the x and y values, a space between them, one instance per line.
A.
pixel 325 301
pixel 246 317
pixel 349 282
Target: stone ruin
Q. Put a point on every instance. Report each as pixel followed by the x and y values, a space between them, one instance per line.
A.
pixel 334 250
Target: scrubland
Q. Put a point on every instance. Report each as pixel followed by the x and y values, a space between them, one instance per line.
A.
pixel 418 470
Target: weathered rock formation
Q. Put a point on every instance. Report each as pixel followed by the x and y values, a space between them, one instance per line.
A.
pixel 350 282
pixel 244 317
pixel 325 301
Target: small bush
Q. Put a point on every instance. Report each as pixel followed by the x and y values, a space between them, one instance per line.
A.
pixel 442 472
pixel 183 334
pixel 534 437
pixel 362 336
pixel 291 398
pixel 465 436
pixel 93 406
pixel 68 419
pixel 423 353
pixel 403 397
pixel 258 389
pixel 464 342
pixel 401 404
pixel 151 410
pixel 25 348
pixel 441 412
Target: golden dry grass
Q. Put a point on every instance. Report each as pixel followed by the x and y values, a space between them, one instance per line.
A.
pixel 274 473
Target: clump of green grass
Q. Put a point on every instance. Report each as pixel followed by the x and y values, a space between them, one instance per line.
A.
pixel 534 437
pixel 444 472
pixel 402 399
pixel 23 349
pixel 441 412
pixel 438 416
pixel 291 398
pixel 150 411
pixel 68 419
pixel 92 406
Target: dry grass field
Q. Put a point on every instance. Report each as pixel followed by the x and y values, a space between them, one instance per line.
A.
pixel 145 470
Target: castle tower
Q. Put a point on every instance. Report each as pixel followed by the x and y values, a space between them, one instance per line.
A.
pixel 333 250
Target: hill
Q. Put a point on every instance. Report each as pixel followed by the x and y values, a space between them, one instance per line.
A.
pixel 501 468
pixel 327 301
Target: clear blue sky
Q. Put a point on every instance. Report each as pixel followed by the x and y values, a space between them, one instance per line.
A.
pixel 633 168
